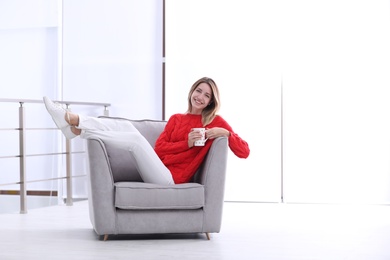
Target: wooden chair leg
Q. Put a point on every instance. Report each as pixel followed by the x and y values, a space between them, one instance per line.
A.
pixel 105 237
pixel 207 236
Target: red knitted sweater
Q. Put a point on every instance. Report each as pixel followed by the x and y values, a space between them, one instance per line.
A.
pixel 182 161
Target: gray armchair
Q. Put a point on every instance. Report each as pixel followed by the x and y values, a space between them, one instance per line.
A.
pixel 120 203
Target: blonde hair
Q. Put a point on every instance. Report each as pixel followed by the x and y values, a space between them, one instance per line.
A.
pixel 209 112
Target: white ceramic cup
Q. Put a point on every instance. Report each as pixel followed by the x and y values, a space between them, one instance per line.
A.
pixel 203 140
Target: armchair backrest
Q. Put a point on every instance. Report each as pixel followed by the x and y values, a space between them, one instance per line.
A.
pixel 150 129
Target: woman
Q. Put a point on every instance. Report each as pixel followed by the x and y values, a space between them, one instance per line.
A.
pixel 174 158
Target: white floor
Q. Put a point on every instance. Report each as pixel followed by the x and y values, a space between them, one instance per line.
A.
pixel 249 231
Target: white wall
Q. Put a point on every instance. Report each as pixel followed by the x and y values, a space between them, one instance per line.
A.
pixel 112 52
pixel 28 41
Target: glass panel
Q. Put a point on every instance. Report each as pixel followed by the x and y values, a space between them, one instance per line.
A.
pixel 236 46
pixel 336 109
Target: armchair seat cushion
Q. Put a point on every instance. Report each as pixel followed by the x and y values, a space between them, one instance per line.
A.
pixel 148 196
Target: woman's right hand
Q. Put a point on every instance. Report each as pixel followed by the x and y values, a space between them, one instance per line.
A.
pixel 193 136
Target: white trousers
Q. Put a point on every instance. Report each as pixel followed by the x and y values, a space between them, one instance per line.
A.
pixel 122 134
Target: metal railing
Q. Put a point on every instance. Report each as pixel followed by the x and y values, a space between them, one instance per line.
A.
pixel 22 150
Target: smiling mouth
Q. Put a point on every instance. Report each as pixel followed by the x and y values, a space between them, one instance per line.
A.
pixel 198 102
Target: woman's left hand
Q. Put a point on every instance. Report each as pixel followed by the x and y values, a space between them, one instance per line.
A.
pixel 212 133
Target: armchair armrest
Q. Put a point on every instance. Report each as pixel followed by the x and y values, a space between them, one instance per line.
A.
pixel 101 188
pixel 212 175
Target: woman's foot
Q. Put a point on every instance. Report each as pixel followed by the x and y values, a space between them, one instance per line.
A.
pixel 56 111
pixel 58 114
pixel 72 119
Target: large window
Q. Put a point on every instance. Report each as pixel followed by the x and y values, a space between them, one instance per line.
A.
pixel 236 47
pixel 304 82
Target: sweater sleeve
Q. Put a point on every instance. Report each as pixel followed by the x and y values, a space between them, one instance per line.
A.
pixel 236 144
pixel 165 144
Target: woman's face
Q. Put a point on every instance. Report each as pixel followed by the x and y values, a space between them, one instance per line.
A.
pixel 200 98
